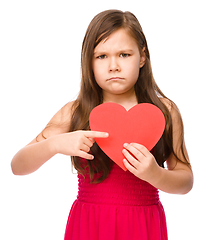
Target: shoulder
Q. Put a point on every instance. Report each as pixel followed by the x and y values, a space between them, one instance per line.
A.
pixel 173 111
pixel 63 116
pixel 60 123
pixel 66 111
pixel 167 102
pixel 170 105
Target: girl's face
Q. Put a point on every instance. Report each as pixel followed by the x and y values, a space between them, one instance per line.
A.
pixel 116 64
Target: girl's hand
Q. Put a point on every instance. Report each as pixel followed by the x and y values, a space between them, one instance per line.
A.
pixel 77 143
pixel 140 162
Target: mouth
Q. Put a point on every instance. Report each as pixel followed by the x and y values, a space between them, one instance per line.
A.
pixel 114 79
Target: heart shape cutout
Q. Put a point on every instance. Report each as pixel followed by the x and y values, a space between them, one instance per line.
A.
pixel 144 124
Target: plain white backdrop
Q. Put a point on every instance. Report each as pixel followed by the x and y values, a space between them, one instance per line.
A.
pixel 40 46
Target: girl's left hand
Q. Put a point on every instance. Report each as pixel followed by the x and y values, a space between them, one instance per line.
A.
pixel 141 162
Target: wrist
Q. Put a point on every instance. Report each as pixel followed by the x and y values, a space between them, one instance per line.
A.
pixel 156 176
pixel 53 144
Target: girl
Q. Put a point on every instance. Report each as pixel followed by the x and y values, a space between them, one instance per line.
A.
pixel 111 203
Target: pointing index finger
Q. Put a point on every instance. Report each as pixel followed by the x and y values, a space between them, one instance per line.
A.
pixel 96 134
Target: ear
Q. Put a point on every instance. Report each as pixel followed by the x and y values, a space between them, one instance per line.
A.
pixel 142 58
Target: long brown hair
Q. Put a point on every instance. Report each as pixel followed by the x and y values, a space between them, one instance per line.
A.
pixel 90 94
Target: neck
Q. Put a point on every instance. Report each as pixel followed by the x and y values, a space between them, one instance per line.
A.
pixel 127 100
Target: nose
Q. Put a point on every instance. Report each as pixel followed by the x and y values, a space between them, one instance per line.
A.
pixel 114 65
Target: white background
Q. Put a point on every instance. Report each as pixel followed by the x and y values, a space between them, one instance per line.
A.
pixel 40 46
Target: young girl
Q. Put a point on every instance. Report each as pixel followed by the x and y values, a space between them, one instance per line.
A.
pixel 112 203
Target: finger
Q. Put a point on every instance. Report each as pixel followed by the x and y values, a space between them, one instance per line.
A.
pixel 141 148
pixel 92 140
pixel 96 134
pixel 132 160
pixel 85 148
pixel 85 155
pixel 129 167
pixel 87 142
pixel 138 154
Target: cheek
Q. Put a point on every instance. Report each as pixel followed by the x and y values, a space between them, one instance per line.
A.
pixel 98 73
pixel 96 70
pixel 133 70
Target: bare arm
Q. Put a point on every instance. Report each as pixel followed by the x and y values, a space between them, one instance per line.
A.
pixel 58 140
pixel 144 166
pixel 178 179
pixel 41 149
pixel 32 157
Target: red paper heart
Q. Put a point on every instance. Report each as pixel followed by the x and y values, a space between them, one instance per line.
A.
pixel 143 124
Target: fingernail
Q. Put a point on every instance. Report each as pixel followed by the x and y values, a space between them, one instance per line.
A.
pixel 106 134
pixel 125 144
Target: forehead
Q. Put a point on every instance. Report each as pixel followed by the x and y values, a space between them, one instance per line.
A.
pixel 119 39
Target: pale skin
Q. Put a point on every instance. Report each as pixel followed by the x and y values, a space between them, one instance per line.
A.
pixel 116 64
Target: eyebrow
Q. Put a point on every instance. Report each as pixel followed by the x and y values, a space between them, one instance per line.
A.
pixel 120 51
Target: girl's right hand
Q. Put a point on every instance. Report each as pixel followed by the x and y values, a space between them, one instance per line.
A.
pixel 77 143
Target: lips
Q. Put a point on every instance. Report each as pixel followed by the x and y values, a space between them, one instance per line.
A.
pixel 114 79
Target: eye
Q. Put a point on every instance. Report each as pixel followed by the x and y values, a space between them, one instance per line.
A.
pixel 102 56
pixel 124 55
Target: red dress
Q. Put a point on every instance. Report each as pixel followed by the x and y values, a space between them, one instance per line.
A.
pixel 122 207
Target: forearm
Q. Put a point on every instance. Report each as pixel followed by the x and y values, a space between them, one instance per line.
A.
pixel 32 157
pixel 173 181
